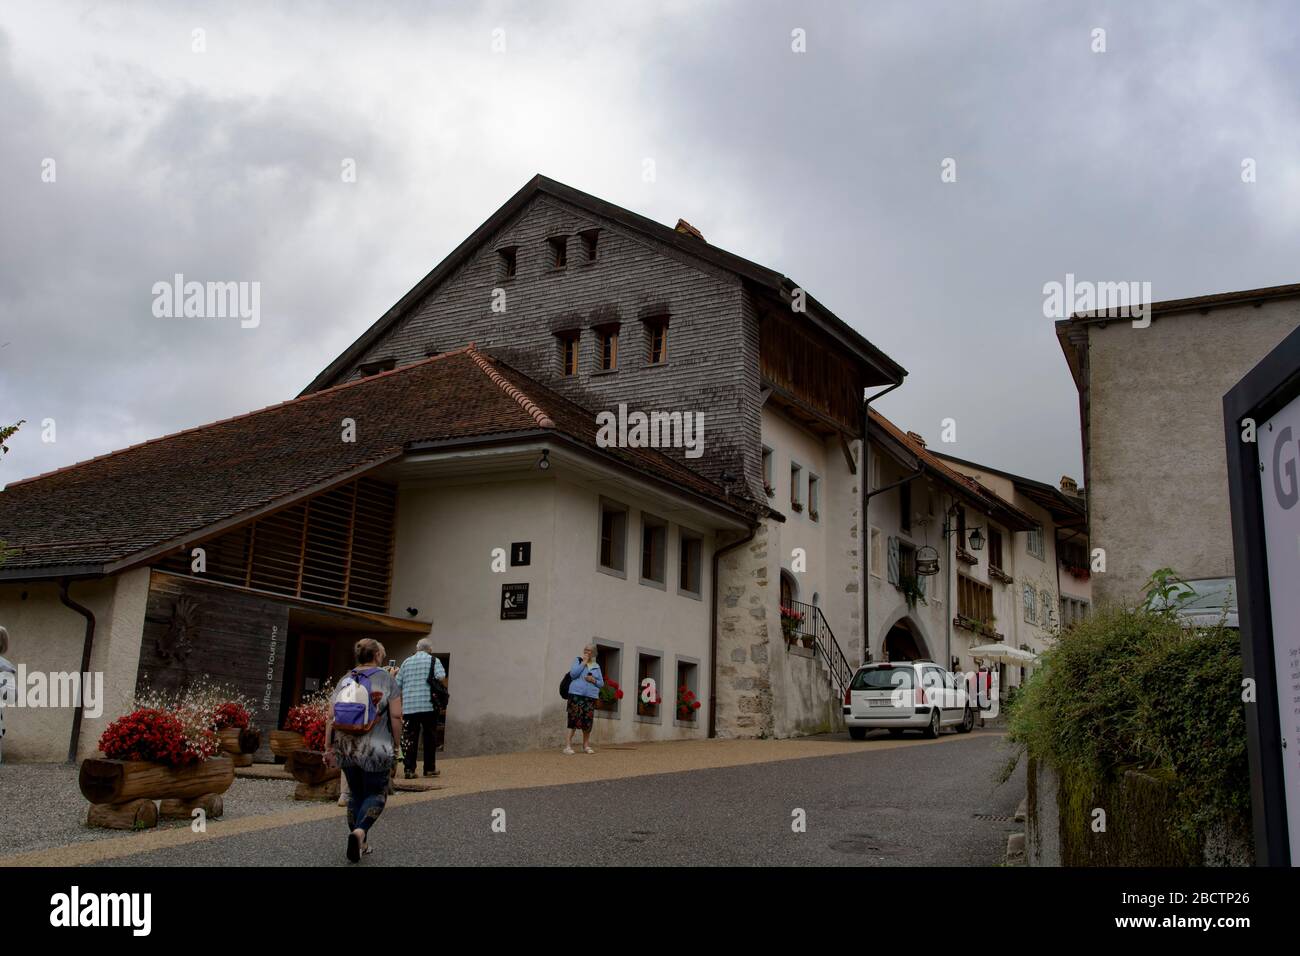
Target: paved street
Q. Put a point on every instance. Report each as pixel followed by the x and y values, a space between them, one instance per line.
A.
pixel 880 805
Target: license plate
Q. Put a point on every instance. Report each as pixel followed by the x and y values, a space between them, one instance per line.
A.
pixel 881 703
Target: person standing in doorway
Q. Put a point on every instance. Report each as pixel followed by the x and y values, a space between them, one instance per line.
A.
pixel 585 682
pixel 362 735
pixel 419 710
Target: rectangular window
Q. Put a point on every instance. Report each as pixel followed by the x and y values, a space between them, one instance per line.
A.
pixel 509 261
pixel 769 474
pixel 610 659
pixel 569 352
pixel 690 563
pixel 589 240
pixel 814 497
pixel 1046 602
pixel 995 549
pixel 654 548
pixel 607 340
pixel 905 507
pixel 613 537
pixel 1031 606
pixel 657 338
pixel 649 664
pixel 974 600
pixel 877 553
pixel 796 476
pixel 559 251
pixel 1036 542
pixel 686 696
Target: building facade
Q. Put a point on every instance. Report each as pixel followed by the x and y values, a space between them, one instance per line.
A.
pixel 1151 409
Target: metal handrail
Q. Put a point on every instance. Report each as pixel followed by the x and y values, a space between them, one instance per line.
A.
pixel 813 624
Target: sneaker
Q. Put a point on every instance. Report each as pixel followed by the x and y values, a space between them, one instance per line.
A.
pixel 433 773
pixel 354 848
pixel 409 774
pixel 568 751
pixel 589 750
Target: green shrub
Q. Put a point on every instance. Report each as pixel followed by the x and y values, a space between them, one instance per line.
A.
pixel 1136 690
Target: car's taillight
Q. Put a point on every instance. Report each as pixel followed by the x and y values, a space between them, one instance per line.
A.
pixel 920 697
pixel 847 698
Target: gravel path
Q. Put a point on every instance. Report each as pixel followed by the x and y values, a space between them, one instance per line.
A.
pixel 62 816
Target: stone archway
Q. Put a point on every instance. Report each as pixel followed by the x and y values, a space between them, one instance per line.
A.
pixel 903 634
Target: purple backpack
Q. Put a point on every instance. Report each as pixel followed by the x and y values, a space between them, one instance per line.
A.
pixel 356 704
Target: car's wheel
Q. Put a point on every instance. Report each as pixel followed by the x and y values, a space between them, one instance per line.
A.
pixel 932 730
pixel 967 722
pixel 858 733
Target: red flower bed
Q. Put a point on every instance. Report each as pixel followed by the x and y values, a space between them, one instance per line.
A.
pixel 230 716
pixel 158 737
pixel 308 720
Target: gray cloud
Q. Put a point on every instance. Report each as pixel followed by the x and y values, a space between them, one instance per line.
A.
pixel 825 165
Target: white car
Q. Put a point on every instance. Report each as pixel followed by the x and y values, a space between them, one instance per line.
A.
pixel 906 695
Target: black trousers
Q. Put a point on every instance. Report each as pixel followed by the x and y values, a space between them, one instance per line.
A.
pixel 413 725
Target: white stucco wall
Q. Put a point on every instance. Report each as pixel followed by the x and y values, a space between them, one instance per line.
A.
pixel 1158 481
pixel 46 636
pixel 504 675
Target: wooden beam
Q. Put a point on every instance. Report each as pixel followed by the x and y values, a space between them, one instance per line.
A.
pixel 848 454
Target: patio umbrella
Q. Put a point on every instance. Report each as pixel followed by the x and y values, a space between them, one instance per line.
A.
pixel 1003 652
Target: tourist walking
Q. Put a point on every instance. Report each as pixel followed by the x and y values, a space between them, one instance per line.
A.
pixel 362 735
pixel 585 682
pixel 419 708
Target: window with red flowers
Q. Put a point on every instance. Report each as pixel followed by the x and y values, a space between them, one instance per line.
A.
pixel 689 703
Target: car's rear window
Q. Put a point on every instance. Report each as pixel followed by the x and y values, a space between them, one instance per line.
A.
pixel 882 678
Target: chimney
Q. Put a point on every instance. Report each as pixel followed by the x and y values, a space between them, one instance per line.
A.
pixel 686 229
pixel 1069 485
pixel 916 437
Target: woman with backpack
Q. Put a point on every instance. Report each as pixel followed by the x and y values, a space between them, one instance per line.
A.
pixel 362 735
pixel 585 682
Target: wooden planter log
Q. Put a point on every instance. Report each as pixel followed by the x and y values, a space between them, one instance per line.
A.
pixel 129 815
pixel 284 743
pixel 309 768
pixel 238 742
pixel 211 804
pixel 329 790
pixel 242 760
pixel 118 781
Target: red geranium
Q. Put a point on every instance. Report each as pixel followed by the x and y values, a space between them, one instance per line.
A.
pixel 156 736
pixel 308 720
pixel 687 705
pixel 230 715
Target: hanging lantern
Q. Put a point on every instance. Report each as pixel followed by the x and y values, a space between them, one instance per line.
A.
pixel 976 540
pixel 927 561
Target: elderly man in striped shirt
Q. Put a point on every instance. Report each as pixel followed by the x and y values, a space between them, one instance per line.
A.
pixel 419 709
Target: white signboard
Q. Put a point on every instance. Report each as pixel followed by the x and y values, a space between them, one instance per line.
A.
pixel 1279 455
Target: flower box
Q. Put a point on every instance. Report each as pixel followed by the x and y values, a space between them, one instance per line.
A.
pixel 796 506
pixel 122 792
pixel 997 574
pixel 240 744
pixel 966 557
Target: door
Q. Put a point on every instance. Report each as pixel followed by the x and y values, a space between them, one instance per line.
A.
pixel 313 669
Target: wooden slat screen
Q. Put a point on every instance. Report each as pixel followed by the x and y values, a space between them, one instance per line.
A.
pixel 335 547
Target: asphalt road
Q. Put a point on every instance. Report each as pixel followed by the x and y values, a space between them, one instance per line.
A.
pixel 925 805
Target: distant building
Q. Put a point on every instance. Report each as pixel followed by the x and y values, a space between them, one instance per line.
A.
pixel 1151 409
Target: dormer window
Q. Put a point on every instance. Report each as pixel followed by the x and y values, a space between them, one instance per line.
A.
pixel 656 333
pixel 378 365
pixel 559 251
pixel 569 351
pixel 509 261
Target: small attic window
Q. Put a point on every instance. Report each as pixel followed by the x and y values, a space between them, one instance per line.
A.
pixel 509 261
pixel 378 365
pixel 589 238
pixel 559 251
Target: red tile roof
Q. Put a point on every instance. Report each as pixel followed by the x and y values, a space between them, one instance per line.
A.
pixel 123 507
pixel 974 492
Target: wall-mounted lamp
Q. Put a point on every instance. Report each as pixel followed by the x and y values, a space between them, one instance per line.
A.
pixel 544 462
pixel 412 611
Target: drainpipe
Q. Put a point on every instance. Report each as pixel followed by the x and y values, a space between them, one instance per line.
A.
pixel 866 518
pixel 86 648
pixel 713 631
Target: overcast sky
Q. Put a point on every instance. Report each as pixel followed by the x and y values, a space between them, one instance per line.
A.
pixel 825 165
